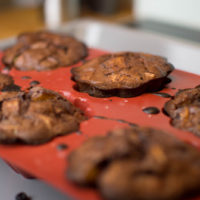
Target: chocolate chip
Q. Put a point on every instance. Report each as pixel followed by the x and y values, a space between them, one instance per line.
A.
pixel 162 94
pixel 33 83
pixel 151 110
pixel 22 196
pixel 62 146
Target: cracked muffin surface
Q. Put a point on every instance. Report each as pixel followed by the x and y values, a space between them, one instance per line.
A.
pixel 184 110
pixel 136 163
pixel 44 50
pixel 36 116
pixel 122 74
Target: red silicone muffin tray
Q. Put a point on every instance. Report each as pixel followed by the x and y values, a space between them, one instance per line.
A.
pixel 47 163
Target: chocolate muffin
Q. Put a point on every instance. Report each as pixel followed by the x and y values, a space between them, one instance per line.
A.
pixel 122 74
pixel 36 116
pixel 44 50
pixel 184 110
pixel 137 164
pixel 5 80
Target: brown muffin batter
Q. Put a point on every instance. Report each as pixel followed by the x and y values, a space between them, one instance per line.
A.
pixel 184 110
pixel 36 116
pixel 5 80
pixel 122 74
pixel 137 164
pixel 44 50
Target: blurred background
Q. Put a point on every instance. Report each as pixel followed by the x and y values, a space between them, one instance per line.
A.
pixel 22 15
pixel 176 17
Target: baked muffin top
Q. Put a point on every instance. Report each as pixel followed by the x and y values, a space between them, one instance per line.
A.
pixel 36 116
pixel 44 50
pixel 122 71
pixel 136 163
pixel 184 110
